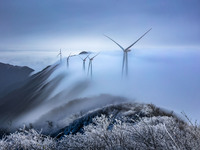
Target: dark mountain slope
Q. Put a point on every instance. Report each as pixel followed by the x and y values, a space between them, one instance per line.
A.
pixel 11 76
pixel 31 94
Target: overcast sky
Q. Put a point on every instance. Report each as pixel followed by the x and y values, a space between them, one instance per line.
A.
pixel 166 78
pixel 80 24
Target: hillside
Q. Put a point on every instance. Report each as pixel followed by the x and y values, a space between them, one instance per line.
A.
pixel 131 111
pixel 11 76
pixel 120 126
pixel 26 97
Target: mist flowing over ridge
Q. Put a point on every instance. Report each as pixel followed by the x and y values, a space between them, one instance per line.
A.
pixel 64 101
pixel 155 77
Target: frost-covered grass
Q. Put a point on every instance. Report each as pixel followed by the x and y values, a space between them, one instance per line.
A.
pixel 160 132
pixel 27 139
pixel 147 133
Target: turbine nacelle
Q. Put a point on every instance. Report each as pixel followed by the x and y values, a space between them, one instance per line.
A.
pixel 127 50
pixel 91 59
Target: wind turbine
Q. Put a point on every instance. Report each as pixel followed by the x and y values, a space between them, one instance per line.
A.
pixel 84 62
pixel 68 60
pixel 90 65
pixel 60 54
pixel 125 52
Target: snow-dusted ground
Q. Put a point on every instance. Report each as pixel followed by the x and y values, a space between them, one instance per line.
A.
pixel 155 130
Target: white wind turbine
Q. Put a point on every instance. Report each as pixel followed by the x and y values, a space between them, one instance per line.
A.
pixel 60 54
pixel 84 60
pixel 68 60
pixel 125 52
pixel 90 65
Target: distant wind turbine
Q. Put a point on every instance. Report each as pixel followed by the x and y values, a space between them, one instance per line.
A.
pixel 60 54
pixel 125 52
pixel 84 61
pixel 90 65
pixel 68 60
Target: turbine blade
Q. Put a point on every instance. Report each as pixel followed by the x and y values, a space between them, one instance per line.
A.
pixel 73 55
pixel 95 55
pixel 114 42
pixel 86 57
pixel 81 58
pixel 138 39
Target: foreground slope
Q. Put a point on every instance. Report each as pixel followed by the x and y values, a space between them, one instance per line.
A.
pixel 131 111
pixel 120 126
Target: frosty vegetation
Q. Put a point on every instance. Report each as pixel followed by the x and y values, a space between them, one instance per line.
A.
pixel 160 132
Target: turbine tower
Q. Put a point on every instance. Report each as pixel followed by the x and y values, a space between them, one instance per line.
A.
pixel 60 54
pixel 125 53
pixel 90 65
pixel 68 60
pixel 84 60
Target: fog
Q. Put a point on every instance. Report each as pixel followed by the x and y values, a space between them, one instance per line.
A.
pixel 168 78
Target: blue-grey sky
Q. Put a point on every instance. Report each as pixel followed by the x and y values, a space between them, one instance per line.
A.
pixel 80 24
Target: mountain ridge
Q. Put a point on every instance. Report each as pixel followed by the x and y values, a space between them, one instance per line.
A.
pixel 11 77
